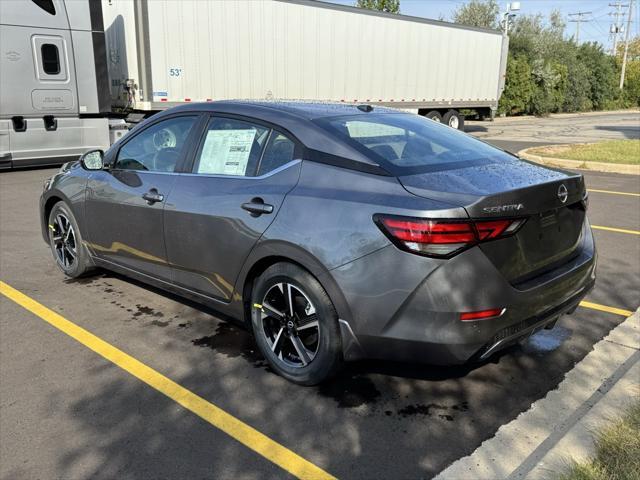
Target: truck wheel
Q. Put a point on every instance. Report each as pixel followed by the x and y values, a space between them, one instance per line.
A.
pixel 434 115
pixel 454 119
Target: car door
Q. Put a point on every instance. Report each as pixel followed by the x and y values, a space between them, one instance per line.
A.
pixel 124 203
pixel 241 173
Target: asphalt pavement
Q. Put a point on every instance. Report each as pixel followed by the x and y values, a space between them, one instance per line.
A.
pixel 66 412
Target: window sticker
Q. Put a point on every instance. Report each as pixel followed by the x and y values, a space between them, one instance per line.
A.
pixel 359 129
pixel 226 152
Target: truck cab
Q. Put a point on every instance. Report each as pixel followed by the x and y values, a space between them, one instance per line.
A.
pixel 55 88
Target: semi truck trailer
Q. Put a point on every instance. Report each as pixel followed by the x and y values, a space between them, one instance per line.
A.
pixel 123 57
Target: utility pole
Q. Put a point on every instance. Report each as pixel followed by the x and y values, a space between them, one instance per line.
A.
pixel 626 45
pixel 616 28
pixel 578 21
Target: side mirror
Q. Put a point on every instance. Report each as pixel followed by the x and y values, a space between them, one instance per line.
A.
pixel 92 160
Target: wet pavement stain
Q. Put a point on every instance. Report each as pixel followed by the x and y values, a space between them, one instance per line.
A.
pixel 350 391
pixel 148 311
pixel 159 323
pixel 232 342
pixel 184 325
pixel 546 341
pixel 433 410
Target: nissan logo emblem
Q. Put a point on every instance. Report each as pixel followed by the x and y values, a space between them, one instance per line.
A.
pixel 563 194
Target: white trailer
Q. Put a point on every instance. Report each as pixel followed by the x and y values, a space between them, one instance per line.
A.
pixel 178 51
pixel 67 67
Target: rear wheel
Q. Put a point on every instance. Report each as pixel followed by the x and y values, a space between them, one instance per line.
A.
pixel 66 242
pixel 434 115
pixel 453 119
pixel 296 325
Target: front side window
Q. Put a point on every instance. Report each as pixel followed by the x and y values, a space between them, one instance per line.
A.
pixel 50 58
pixel 231 147
pixel 158 148
pixel 406 144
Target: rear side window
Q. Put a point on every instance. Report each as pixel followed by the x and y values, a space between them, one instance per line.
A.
pixel 46 5
pixel 279 151
pixel 406 144
pixel 50 59
pixel 231 147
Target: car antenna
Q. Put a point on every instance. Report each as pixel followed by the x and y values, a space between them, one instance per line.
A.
pixel 365 108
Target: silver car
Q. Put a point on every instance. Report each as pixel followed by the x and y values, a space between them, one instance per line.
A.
pixel 334 232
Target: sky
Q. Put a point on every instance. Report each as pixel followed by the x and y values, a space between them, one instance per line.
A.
pixel 596 29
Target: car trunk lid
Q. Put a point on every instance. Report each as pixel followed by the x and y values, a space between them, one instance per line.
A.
pixel 551 200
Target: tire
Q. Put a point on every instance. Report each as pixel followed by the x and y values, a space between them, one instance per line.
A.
pixel 454 119
pixel 306 347
pixel 434 115
pixel 66 243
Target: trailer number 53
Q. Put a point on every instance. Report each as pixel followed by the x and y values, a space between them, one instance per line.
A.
pixel 175 72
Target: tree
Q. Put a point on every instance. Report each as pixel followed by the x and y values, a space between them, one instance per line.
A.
pixel 478 13
pixel 634 49
pixel 518 88
pixel 388 6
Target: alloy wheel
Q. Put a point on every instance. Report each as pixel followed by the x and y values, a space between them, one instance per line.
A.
pixel 290 324
pixel 64 241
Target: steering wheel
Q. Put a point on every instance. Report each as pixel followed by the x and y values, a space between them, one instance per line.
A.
pixel 165 160
pixel 164 138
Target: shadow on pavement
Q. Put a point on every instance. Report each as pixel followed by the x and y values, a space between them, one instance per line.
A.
pixel 629 132
pixel 375 420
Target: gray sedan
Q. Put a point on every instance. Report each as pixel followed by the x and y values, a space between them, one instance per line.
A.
pixel 334 232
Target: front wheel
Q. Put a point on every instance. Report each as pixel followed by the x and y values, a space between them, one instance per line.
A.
pixel 66 242
pixel 295 325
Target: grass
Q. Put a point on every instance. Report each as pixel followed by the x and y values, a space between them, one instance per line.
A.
pixel 610 151
pixel 617 452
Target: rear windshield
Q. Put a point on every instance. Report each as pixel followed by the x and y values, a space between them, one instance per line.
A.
pixel 406 144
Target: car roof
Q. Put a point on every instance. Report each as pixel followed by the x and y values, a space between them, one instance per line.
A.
pixel 297 118
pixel 306 109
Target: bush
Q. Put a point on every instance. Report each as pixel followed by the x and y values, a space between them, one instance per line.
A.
pixel 548 73
pixel 519 87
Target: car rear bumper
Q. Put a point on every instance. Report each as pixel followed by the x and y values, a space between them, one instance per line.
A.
pixel 412 311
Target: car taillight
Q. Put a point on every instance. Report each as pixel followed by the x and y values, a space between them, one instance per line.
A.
pixel 482 314
pixel 443 238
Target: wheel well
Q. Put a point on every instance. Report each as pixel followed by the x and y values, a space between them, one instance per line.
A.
pixel 329 286
pixel 254 272
pixel 48 206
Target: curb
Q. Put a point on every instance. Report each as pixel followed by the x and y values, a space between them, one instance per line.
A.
pixel 577 164
pixel 541 442
pixel 560 116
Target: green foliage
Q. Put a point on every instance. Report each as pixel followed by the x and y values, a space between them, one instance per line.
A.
pixel 547 73
pixel 478 13
pixel 617 452
pixel 518 90
pixel 389 6
pixel 631 92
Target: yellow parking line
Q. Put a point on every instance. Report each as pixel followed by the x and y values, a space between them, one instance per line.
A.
pixel 240 431
pixel 618 230
pixel 604 308
pixel 613 192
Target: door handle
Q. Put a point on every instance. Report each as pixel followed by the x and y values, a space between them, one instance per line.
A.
pixel 257 207
pixel 152 196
